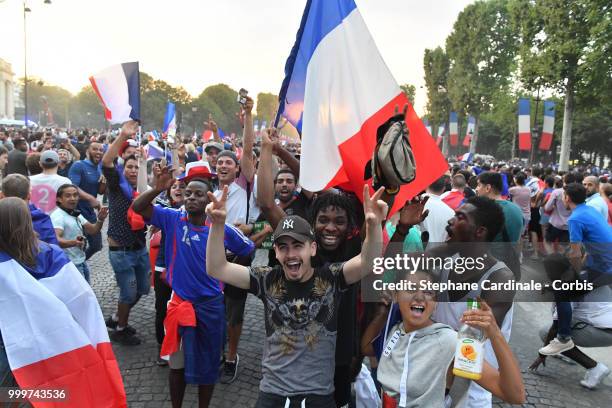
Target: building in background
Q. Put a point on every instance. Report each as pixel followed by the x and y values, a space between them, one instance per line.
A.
pixel 7 91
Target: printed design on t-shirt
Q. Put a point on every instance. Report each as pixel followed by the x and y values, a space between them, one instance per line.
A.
pixel 299 317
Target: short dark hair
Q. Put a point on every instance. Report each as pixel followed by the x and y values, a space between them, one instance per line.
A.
pixel 492 179
pixel 285 171
pixel 576 193
pixel 336 200
pixel 520 178
pixel 19 142
pixel 570 178
pixel 130 157
pixel 63 188
pixel 33 164
pixel 16 185
pixel 550 181
pixel 439 185
pixel 3 150
pixel 488 214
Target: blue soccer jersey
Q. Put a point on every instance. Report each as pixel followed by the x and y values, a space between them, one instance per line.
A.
pixel 185 248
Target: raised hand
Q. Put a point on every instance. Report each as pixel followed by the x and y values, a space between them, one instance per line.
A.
pixel 103 213
pixel 129 129
pixel 216 210
pixel 413 212
pixel 248 106
pixel 374 209
pixel 211 124
pixel 163 177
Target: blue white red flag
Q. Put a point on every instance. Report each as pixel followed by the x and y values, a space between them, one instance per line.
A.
pixel 469 132
pixel 549 125
pixel 441 130
pixel 427 125
pixel 524 127
pixel 154 151
pixel 467 157
pixel 170 122
pixel 328 95
pixel 54 332
pixel 453 129
pixel 118 88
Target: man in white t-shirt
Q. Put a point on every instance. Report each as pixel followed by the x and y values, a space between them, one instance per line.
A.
pixel 439 213
pixel 242 210
pixel 45 184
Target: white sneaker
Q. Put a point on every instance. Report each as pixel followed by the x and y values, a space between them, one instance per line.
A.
pixel 556 347
pixel 593 376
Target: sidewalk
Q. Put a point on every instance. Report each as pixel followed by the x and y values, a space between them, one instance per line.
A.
pixel 146 385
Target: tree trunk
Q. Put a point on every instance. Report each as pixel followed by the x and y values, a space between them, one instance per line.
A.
pixel 566 134
pixel 445 142
pixel 474 139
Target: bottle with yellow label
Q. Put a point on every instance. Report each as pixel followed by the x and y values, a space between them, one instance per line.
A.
pixel 470 348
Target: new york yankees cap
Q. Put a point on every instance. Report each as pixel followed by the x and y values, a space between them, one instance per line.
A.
pixel 295 227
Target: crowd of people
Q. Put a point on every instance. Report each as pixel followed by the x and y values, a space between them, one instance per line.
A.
pixel 214 221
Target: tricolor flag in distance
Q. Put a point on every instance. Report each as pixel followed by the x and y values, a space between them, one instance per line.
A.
pixel 524 124
pixel 170 122
pixel 469 132
pixel 54 332
pixel 453 129
pixel 549 125
pixel 467 157
pixel 440 137
pixel 118 88
pixel 328 95
pixel 427 125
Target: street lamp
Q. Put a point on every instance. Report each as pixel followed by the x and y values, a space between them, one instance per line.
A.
pixel 26 10
pixel 194 109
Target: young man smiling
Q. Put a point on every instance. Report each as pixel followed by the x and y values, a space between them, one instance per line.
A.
pixel 301 302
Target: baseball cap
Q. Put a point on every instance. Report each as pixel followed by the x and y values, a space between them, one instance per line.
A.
pixel 295 227
pixel 215 145
pixel 126 144
pixel 49 157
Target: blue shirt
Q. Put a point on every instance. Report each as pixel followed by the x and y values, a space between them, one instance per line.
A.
pixel 586 226
pixel 86 175
pixel 185 250
pixel 43 225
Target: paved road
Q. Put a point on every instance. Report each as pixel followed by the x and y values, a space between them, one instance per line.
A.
pixel 146 385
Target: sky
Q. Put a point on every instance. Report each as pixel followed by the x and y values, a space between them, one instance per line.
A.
pixel 197 43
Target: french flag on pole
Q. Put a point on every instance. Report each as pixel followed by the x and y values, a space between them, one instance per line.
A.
pixel 524 121
pixel 549 125
pixel 441 130
pixel 118 88
pixel 329 96
pixel 170 122
pixel 54 332
pixel 467 157
pixel 453 129
pixel 471 126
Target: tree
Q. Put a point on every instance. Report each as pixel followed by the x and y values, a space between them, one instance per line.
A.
pixel 409 91
pixel 225 98
pixel 565 45
pixel 56 97
pixel 267 104
pixel 436 65
pixel 481 50
pixel 86 101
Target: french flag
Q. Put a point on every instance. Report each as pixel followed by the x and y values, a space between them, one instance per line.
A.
pixel 467 157
pixel 170 122
pixel 337 92
pixel 118 88
pixel 453 129
pixel 441 130
pixel 549 125
pixel 471 126
pixel 154 151
pixel 207 135
pixel 524 121
pixel 54 332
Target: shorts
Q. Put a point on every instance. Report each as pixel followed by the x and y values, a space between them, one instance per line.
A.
pixel 266 400
pixel 554 234
pixel 132 271
pixel 534 223
pixel 234 310
pixel 200 350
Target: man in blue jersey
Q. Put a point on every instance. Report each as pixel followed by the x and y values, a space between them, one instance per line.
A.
pixel 195 319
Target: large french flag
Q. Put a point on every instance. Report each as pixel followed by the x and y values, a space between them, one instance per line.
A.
pixel 337 92
pixel 118 88
pixel 469 133
pixel 170 122
pixel 549 125
pixel 453 129
pixel 54 333
pixel 524 124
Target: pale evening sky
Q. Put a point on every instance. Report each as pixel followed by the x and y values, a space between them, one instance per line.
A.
pixel 197 43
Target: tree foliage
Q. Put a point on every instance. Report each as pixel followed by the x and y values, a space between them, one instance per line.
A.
pixel 267 103
pixel 436 65
pixel 410 91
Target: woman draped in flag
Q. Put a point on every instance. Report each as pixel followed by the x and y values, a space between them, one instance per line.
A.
pixel 52 330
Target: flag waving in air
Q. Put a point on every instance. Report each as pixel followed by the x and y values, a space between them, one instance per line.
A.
pixel 549 125
pixel 170 122
pixel 54 333
pixel 524 128
pixel 453 129
pixel 469 133
pixel 118 88
pixel 329 96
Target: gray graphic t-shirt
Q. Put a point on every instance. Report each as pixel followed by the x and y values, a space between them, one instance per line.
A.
pixel 301 322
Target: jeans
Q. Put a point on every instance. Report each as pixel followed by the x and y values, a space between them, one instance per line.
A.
pixel 84 269
pixel 132 274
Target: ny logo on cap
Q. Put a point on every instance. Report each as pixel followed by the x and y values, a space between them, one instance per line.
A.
pixel 288 224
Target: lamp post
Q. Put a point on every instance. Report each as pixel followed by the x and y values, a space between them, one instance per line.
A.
pixel 26 10
pixel 445 142
pixel 194 109
pixel 535 129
